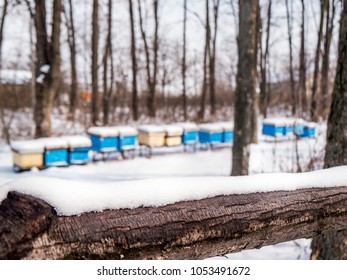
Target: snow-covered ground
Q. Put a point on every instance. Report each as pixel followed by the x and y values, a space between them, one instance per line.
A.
pixel 267 156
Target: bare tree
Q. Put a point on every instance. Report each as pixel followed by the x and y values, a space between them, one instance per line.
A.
pixel 245 85
pixel 302 98
pixel 314 101
pixel 151 76
pixel 333 245
pixel 329 28
pixel 206 62
pixel 108 57
pixel 264 65
pixel 72 47
pixel 213 51
pixel 48 75
pixel 135 109
pixel 95 44
pixel 2 25
pixel 291 70
pixel 184 63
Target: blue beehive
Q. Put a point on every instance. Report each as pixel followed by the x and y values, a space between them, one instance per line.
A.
pixel 293 126
pixel 56 151
pixel 274 127
pixel 127 138
pixel 210 134
pixel 79 147
pixel 228 131
pixel 309 130
pixel 190 133
pixel 104 139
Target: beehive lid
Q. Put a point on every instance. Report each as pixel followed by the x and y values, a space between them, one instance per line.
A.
pixel 27 147
pixel 188 126
pixel 151 129
pixel 276 121
pixel 126 130
pixel 103 131
pixel 78 141
pixel 293 121
pixel 51 143
pixel 310 125
pixel 210 127
pixel 227 126
pixel 173 130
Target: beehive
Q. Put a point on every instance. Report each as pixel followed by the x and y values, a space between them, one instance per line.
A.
pixel 104 139
pixel 56 151
pixel 151 135
pixel 210 133
pixel 127 138
pixel 190 132
pixel 27 154
pixel 79 147
pixel 173 135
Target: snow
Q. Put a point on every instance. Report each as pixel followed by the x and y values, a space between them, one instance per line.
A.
pixel 73 198
pixel 173 130
pixel 17 77
pixel 187 126
pixel 51 143
pixel 151 129
pixel 27 147
pixel 77 141
pixel 311 125
pixel 45 68
pixel 126 130
pixel 226 126
pixel 40 78
pixel 210 127
pixel 276 121
pixel 103 131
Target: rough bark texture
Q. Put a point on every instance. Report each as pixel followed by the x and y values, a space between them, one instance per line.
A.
pixel 245 85
pixel 29 228
pixel 47 54
pixel 184 63
pixel 334 244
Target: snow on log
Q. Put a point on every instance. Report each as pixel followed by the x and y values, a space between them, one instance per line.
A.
pixel 31 229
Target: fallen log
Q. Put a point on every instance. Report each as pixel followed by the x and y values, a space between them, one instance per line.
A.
pixel 31 229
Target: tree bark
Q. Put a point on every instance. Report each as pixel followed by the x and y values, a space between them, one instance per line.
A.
pixel 314 111
pixel 30 228
pixel 2 25
pixel 135 109
pixel 48 76
pixel 245 86
pixel 333 245
pixel 94 70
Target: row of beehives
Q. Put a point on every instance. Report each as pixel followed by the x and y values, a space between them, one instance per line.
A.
pixel 64 151
pixel 288 126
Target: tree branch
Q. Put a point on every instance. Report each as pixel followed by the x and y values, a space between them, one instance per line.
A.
pixel 30 229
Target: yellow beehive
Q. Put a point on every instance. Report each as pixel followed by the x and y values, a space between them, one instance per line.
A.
pixel 151 136
pixel 27 154
pixel 173 135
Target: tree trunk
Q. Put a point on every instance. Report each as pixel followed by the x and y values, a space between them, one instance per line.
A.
pixel 213 52
pixel 206 61
pixel 106 97
pixel 264 65
pixel 95 50
pixel 72 47
pixel 333 245
pixel 135 109
pixel 326 57
pixel 245 86
pixel 2 25
pixel 302 98
pixel 314 97
pixel 30 228
pixel 48 76
pixel 291 70
pixel 184 63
